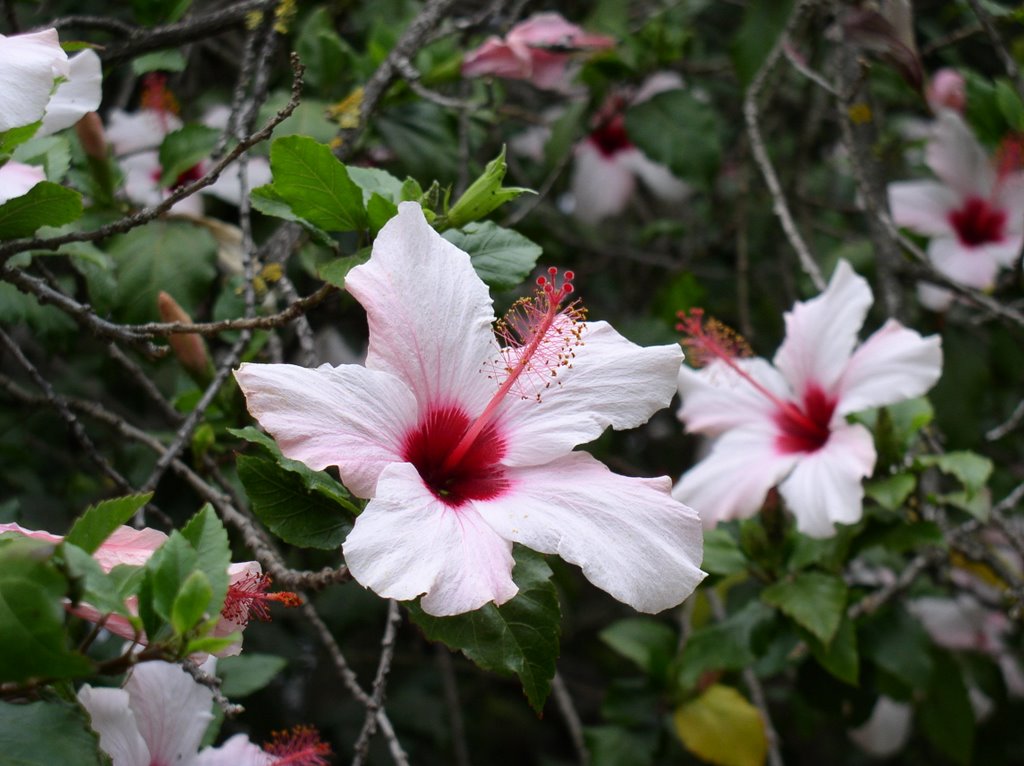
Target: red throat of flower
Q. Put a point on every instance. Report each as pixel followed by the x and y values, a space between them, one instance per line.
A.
pixel 803 427
pixel 249 597
pixel 156 96
pixel 299 746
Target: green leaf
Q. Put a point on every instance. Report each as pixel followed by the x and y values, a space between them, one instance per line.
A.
pixel 184 149
pixel 484 195
pixel 247 673
pixel 502 258
pixel 47 733
pixel 191 602
pixel 722 554
pixel 323 53
pixel 1010 105
pixel 970 468
pixel 316 185
pixel 335 271
pixel 162 61
pixel 213 644
pixel 903 537
pixel 318 481
pixel 99 521
pixel 892 491
pixel 676 130
pixel 726 645
pixel 814 600
pixel 721 727
pixel 649 644
pixel 520 636
pixel 840 657
pixel 896 642
pixel 618 746
pixel 290 509
pixel 164 574
pixel 10 139
pixel 209 539
pixel 33 641
pixel 376 181
pixel 379 211
pixel 97 588
pixel 52 152
pixel 45 204
pixel 172 256
pixel 946 715
pixel 763 22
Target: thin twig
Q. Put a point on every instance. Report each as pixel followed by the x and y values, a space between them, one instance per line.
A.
pixel 998 432
pixel 212 683
pixel 572 718
pixel 452 704
pixel 387 652
pixel 1009 63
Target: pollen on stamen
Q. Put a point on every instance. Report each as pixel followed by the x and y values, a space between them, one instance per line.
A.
pixel 539 337
pixel 1009 156
pixel 709 339
pixel 249 596
pixel 299 746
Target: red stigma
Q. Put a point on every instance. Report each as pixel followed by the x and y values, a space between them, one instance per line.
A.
pixel 707 340
pixel 248 597
pixel 156 95
pixel 300 746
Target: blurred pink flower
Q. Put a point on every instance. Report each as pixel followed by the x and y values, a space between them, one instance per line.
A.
pixel 539 50
pixel 607 165
pixel 946 89
pixel 17 178
pixel 974 213
pixel 464 447
pixel 786 424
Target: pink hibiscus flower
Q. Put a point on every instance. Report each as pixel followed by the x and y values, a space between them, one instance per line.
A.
pixel 539 50
pixel 786 424
pixel 17 178
pixel 464 447
pixel 946 89
pixel 974 214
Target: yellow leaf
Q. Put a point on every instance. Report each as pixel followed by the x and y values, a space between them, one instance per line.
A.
pixel 721 727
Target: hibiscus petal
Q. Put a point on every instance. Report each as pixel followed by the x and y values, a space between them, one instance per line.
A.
pixel 933 297
pixel 658 178
pixel 346 416
pixel 956 157
pixel 495 58
pixel 28 66
pixel 172 710
pixel 893 364
pixel 886 731
pixel 113 719
pixel 552 29
pixel 407 542
pixel 37 535
pixel 129 546
pixel 612 382
pixel 825 487
pixel 628 535
pixel 601 185
pixel 228 186
pixel 80 94
pixel 17 178
pixel 821 332
pixel 733 480
pixel 717 398
pixel 923 206
pixel 237 751
pixel 130 132
pixel 430 315
pixel 970 266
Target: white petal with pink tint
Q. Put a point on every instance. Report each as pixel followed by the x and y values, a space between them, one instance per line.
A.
pixel 923 206
pixel 172 711
pixel 717 398
pixel 825 486
pixel 29 64
pixel 113 719
pixel 228 186
pixel 970 266
pixel 886 731
pixel 17 178
pixel 821 332
pixel 129 546
pixel 733 480
pixel 237 751
pixel 348 416
pixel 612 382
pixel 80 94
pixel 130 132
pixel 956 157
pixel 658 178
pixel 933 297
pixel 628 535
pixel 37 535
pixel 892 365
pixel 601 185
pixel 407 542
pixel 430 315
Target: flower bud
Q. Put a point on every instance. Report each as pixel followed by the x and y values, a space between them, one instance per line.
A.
pixel 188 347
pixel 947 90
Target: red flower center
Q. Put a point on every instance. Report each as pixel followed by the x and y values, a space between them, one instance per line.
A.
pixel 475 475
pixel 978 223
pixel 805 427
pixel 611 137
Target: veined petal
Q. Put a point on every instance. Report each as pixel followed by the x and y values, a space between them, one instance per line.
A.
pixel 970 266
pixel 80 94
pixel 113 719
pixel 430 315
pixel 172 710
pixel 956 157
pixel 601 186
pixel 628 535
pixel 733 480
pixel 29 64
pixel 346 416
pixel 612 382
pixel 717 398
pixel 17 178
pixel 821 332
pixel 923 206
pixel 35 534
pixel 496 58
pixel 825 487
pixel 407 542
pixel 893 364
pixel 237 751
pixel 129 546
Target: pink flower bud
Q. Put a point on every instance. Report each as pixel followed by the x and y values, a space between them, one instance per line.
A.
pixel 947 90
